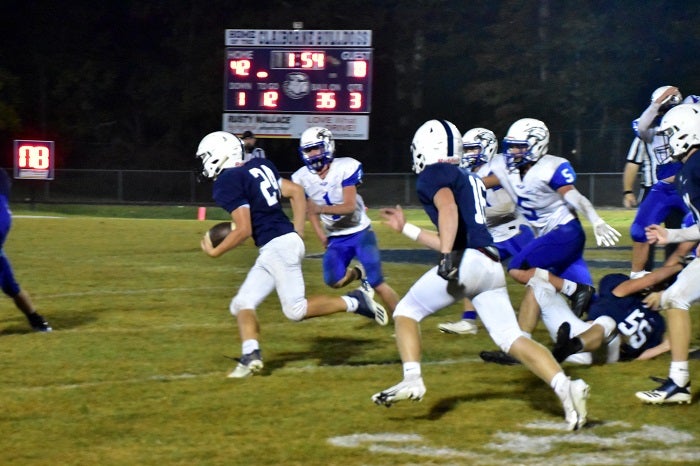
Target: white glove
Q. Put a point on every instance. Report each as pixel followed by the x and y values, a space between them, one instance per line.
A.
pixel 605 235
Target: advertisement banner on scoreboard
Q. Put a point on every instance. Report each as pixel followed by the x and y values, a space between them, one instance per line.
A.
pixel 290 126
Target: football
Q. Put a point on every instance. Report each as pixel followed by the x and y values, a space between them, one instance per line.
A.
pixel 218 232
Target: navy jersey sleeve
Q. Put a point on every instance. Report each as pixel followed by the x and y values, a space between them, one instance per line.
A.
pixel 469 193
pixel 255 185
pixel 689 185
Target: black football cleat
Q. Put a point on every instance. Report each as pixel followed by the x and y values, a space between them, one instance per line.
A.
pixel 499 357
pixel 38 323
pixel 565 346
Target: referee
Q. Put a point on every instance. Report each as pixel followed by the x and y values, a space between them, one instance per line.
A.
pixel 639 158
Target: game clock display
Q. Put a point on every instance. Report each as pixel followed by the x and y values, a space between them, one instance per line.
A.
pixel 313 80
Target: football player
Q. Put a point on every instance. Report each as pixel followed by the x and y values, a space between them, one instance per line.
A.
pixel 337 213
pixel 469 266
pixel 542 187
pixel 509 229
pixel 9 284
pixel 252 192
pixel 618 318
pixel 680 127
pixel 662 203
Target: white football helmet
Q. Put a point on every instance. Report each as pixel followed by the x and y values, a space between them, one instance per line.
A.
pixel 529 134
pixel 681 130
pixel 219 150
pixel 436 141
pixel 478 139
pixel 671 101
pixel 317 137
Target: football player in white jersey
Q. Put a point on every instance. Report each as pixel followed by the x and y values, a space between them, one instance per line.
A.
pixel 680 126
pixel 337 213
pixel 252 192
pixel 509 229
pixel 662 203
pixel 469 266
pixel 542 187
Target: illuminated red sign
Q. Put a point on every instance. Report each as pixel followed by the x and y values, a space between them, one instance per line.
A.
pixel 34 159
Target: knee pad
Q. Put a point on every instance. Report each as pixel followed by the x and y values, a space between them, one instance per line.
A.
pixel 609 326
pixel 237 304
pixel 295 311
pixel 637 233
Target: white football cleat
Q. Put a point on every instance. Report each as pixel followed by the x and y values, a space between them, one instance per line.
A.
pixel 574 401
pixel 248 364
pixel 369 307
pixel 667 393
pixel 462 327
pixel 413 389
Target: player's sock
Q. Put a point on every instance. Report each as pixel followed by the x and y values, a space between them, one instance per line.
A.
pixel 679 373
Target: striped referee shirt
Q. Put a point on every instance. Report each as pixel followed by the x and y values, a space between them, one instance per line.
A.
pixel 639 153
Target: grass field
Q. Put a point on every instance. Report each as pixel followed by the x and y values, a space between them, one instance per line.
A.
pixel 134 372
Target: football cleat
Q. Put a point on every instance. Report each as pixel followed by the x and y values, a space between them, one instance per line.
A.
pixel 38 323
pixel 565 346
pixel 248 364
pixel 581 299
pixel 499 357
pixel 462 327
pixel 369 308
pixel 413 389
pixel 668 392
pixel 574 402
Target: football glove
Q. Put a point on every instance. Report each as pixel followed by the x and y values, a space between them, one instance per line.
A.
pixel 446 269
pixel 605 235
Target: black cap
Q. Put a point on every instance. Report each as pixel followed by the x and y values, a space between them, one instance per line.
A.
pixel 248 134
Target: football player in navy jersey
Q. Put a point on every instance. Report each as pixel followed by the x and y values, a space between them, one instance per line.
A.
pixel 680 128
pixel 509 229
pixel 21 297
pixel 468 266
pixel 251 192
pixel 618 317
pixel 337 213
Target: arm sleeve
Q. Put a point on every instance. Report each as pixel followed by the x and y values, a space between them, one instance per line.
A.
pixel 643 125
pixel 576 200
pixel 681 235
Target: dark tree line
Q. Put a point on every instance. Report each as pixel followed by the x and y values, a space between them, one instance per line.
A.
pixel 136 84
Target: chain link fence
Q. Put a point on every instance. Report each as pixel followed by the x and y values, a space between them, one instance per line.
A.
pixel 182 188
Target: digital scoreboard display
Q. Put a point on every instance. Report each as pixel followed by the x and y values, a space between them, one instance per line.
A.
pixel 274 80
pixel 33 159
pixel 306 80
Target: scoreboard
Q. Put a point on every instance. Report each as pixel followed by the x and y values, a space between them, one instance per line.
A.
pixel 33 159
pixel 279 82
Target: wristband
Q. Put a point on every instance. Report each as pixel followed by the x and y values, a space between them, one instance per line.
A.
pixel 411 230
pixel 624 193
